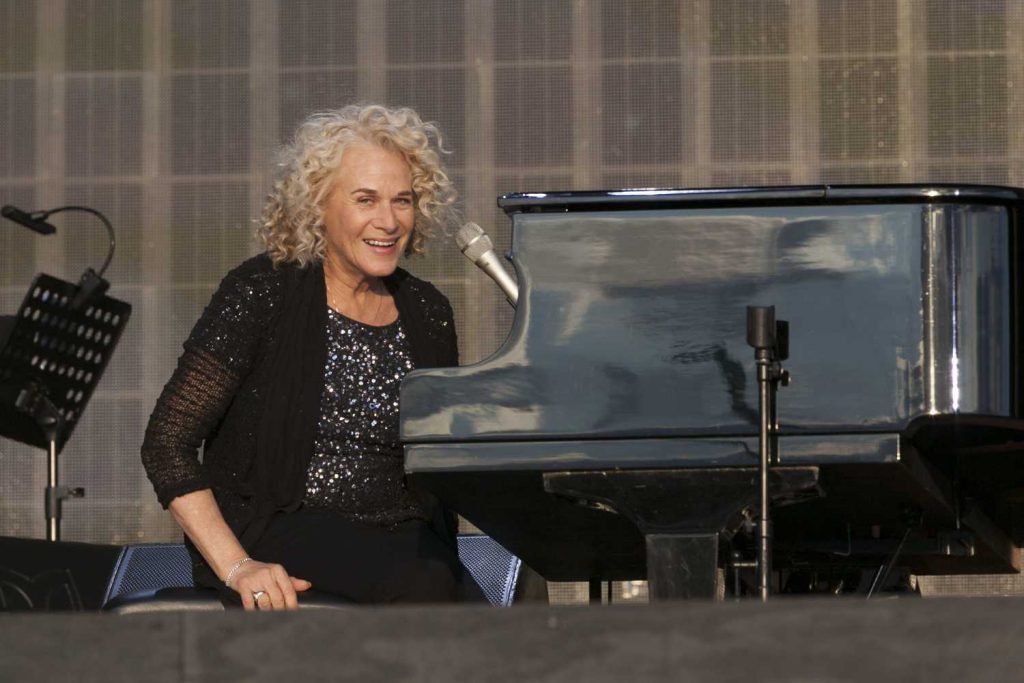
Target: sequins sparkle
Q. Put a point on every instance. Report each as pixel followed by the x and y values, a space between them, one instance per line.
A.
pixel 357 466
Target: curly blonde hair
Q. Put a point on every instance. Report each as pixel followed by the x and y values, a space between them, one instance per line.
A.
pixel 291 223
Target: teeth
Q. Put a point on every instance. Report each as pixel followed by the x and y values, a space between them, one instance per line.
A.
pixel 379 243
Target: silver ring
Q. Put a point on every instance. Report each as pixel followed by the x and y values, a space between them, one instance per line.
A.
pixel 256 595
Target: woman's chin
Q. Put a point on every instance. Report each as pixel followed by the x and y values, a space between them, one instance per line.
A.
pixel 380 268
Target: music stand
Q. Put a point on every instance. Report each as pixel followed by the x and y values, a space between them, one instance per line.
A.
pixel 50 364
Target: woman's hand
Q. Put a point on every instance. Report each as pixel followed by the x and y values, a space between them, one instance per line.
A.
pixel 267 586
pixel 198 514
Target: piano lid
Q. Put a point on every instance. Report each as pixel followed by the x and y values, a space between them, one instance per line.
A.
pixel 631 322
pixel 655 198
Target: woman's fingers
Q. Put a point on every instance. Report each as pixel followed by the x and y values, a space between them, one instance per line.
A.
pixel 275 597
pixel 300 584
pixel 283 584
pixel 252 595
pixel 248 604
pixel 267 587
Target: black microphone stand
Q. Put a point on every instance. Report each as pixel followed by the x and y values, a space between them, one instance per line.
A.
pixel 770 339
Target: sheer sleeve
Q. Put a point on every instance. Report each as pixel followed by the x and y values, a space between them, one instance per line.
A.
pixel 218 355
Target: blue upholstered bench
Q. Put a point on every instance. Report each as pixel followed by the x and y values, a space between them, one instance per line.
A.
pixel 157 577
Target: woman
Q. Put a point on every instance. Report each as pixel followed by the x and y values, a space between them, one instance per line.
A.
pixel 291 379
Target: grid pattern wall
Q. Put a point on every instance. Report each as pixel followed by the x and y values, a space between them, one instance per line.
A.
pixel 166 114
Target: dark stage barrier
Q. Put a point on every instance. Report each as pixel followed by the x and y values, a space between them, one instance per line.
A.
pixel 786 640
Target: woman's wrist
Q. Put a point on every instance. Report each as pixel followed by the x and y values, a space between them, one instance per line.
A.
pixel 234 570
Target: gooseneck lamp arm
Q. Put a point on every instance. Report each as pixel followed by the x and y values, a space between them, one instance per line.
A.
pixel 43 215
pixel 36 221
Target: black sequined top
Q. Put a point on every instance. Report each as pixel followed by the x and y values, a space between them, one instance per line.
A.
pixel 215 397
pixel 356 466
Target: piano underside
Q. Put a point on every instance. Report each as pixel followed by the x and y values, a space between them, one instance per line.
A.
pixel 590 523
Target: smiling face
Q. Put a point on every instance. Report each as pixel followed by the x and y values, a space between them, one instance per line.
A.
pixel 369 215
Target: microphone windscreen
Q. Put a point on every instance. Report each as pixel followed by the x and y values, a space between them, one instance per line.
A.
pixel 466 234
pixel 473 241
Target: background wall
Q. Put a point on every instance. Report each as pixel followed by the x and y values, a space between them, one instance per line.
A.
pixel 165 115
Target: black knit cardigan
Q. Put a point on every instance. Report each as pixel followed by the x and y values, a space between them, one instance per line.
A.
pixel 248 386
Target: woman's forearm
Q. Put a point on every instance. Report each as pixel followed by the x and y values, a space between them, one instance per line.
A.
pixel 200 517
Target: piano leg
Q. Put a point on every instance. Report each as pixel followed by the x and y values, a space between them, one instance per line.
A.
pixel 681 566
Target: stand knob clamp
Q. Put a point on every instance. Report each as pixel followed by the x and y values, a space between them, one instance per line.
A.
pixel 55 495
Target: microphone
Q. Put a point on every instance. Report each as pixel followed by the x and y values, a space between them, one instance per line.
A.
pixel 28 220
pixel 478 248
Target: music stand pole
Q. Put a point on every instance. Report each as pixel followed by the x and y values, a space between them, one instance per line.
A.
pixel 56 494
pixel 33 401
pixel 53 503
pixel 50 364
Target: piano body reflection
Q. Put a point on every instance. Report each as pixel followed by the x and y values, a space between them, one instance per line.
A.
pixel 614 434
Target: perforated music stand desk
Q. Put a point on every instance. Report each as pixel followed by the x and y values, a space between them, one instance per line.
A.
pixel 50 365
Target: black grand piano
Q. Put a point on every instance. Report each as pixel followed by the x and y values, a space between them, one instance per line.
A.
pixel 614 434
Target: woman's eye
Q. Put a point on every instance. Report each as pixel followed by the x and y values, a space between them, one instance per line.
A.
pixel 365 200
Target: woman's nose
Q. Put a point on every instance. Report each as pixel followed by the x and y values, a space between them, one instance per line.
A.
pixel 387 217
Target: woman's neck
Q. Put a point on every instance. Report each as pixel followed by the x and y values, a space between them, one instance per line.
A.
pixel 350 285
pixel 363 299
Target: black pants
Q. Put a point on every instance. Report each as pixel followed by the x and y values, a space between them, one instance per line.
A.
pixel 361 562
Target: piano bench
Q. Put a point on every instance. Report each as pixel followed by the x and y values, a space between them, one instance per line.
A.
pixel 192 599
pixel 158 578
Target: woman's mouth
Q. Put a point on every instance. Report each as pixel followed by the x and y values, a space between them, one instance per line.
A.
pixel 382 244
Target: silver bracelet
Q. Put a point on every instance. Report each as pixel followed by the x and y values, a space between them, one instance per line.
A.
pixel 234 568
